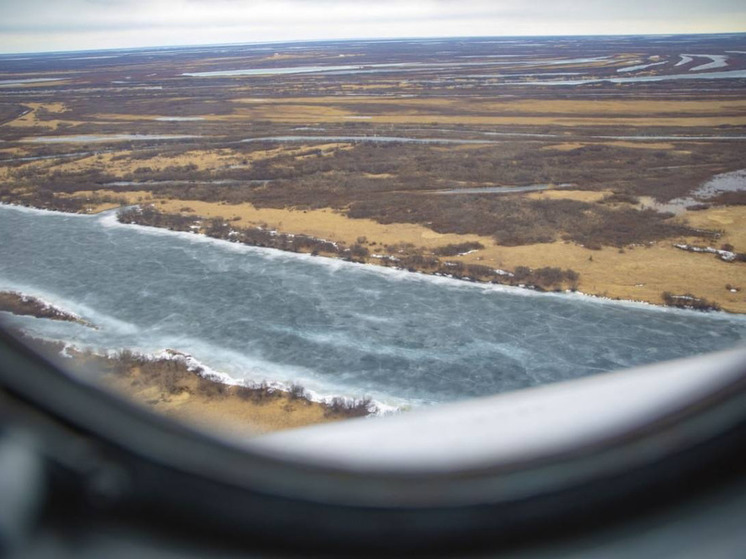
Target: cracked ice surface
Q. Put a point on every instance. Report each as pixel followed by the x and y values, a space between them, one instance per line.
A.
pixel 335 327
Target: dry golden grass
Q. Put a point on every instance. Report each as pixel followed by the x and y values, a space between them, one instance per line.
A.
pixel 288 113
pixel 630 107
pixel 356 100
pixel 229 415
pixel 565 146
pixel 642 145
pixel 131 197
pixel 323 224
pixel 321 114
pixel 278 56
pixel 203 159
pixel 310 152
pixel 14 152
pixel 579 195
pixel 32 119
pixel 113 163
pixel 53 107
pixel 529 112
pixel 483 111
pixel 172 390
pixel 633 107
pixel 377 85
pixel 123 117
pixel 731 219
pixel 53 124
pixel 640 273
pixel 61 81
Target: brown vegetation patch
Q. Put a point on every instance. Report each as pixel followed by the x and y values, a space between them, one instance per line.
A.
pixel 516 221
pixel 20 304
pixel 688 301
pixel 569 146
pixel 530 112
pixel 44 115
pixel 628 107
pixel 322 223
pixel 310 113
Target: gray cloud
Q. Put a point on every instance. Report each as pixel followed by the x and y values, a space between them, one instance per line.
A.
pixel 87 23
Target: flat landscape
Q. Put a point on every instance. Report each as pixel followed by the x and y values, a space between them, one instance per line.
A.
pixel 612 166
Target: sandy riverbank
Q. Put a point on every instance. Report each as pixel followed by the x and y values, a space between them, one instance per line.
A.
pixel 171 385
pixel 222 409
pixel 637 273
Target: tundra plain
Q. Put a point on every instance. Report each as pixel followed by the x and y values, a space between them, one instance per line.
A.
pixel 552 163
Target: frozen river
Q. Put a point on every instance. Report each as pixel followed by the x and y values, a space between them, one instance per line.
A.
pixel 335 327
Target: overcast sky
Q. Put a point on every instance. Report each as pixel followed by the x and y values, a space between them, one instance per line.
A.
pixel 47 25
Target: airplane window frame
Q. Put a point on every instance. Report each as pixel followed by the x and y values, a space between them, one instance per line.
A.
pixel 115 456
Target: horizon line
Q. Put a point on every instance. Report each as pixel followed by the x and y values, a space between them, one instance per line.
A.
pixel 365 39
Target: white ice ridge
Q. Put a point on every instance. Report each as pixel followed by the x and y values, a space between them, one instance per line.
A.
pixel 716 61
pixel 640 66
pixel 726 255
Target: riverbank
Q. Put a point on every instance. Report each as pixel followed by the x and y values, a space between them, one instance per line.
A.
pixel 656 272
pixel 636 273
pixel 169 386
pixel 174 385
pixel 26 305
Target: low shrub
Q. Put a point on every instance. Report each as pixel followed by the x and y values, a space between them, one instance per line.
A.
pixel 689 301
pixel 343 407
pixel 297 392
pixel 455 249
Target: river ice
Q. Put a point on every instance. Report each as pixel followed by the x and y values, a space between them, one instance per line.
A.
pixel 336 327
